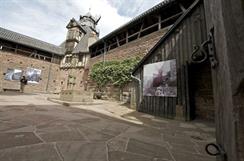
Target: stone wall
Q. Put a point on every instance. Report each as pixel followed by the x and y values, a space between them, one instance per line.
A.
pixel 49 72
pixel 77 73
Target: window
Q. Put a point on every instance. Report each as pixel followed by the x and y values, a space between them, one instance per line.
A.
pixel 68 59
pixel 80 58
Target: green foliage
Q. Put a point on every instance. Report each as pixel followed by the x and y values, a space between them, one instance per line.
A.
pixel 117 73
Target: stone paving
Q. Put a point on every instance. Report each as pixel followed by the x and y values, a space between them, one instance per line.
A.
pixel 34 129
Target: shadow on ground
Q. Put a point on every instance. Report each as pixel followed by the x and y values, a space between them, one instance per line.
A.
pixel 14 93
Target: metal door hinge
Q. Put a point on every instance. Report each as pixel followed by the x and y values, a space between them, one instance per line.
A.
pixel 206 50
pixel 216 150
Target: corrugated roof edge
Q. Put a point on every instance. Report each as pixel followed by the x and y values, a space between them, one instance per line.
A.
pixel 58 52
pixel 162 4
pixel 177 23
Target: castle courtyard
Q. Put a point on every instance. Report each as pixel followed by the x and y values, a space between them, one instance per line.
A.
pixel 35 129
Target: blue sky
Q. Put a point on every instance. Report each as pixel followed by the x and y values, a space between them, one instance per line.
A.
pixel 46 19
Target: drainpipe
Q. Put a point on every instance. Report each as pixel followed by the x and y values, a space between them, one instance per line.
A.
pixel 139 87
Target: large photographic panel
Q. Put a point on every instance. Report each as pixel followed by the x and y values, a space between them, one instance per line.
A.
pixel 13 74
pixel 33 75
pixel 160 79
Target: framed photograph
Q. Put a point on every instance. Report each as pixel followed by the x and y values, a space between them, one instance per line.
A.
pixel 33 75
pixel 160 79
pixel 13 74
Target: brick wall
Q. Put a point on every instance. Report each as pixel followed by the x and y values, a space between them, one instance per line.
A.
pixel 49 72
pixel 135 48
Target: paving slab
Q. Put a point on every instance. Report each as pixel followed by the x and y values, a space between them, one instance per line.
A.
pixel 78 151
pixel 40 152
pixel 192 157
pixel 152 150
pixel 125 156
pixel 178 140
pixel 6 125
pixel 34 119
pixel 62 136
pixel 14 139
pixel 108 126
pixel 22 129
pixel 117 144
pixel 95 135
pixel 175 148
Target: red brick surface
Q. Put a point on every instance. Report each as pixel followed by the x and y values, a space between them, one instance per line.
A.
pixel 16 61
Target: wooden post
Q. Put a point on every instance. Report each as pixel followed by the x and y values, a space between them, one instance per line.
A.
pixel 139 34
pixel 104 52
pixel 182 7
pixel 52 59
pixel 159 22
pixel 16 49
pixel 117 39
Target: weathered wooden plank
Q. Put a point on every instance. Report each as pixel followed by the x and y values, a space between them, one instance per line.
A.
pixel 180 66
pixel 187 93
pixel 166 107
pixel 174 106
pixel 170 106
pixel 185 41
pixel 189 48
pixel 163 104
pixel 158 106
pixel 183 88
pixel 163 52
pixel 177 63
pixel 149 105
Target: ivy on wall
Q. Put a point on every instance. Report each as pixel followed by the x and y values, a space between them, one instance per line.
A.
pixel 117 73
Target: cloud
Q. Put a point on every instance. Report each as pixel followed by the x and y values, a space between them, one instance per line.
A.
pixel 132 8
pixel 46 19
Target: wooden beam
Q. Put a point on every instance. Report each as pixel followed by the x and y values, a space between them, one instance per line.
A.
pixel 16 49
pixel 156 24
pixel 149 27
pixel 109 46
pixel 104 52
pixel 117 40
pixel 52 58
pixel 182 7
pixel 139 34
pixel 127 36
pixel 159 22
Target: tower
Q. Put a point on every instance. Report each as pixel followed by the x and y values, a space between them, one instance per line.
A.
pixel 74 35
pixel 80 35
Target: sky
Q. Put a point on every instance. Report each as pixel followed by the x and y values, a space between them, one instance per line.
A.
pixel 47 19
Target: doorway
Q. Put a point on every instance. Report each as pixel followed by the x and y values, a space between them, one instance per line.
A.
pixel 201 92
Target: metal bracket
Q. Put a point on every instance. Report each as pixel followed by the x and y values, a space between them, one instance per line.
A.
pixel 207 50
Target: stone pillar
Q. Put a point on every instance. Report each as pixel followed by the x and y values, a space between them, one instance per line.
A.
pixel 227 18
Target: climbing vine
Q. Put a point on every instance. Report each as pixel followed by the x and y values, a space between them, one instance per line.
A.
pixel 117 73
